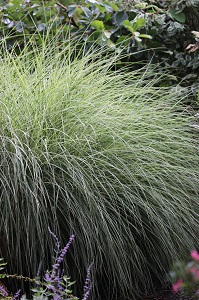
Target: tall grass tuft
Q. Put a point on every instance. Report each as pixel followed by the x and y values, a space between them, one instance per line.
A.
pixel 103 154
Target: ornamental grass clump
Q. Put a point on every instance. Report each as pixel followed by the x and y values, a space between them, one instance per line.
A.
pixel 103 154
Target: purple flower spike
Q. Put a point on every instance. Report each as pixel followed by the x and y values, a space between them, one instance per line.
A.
pixel 55 281
pixel 63 253
pixel 88 285
pixel 56 297
pixel 3 291
pixel 47 277
pixel 56 266
pixel 17 294
pixel 86 295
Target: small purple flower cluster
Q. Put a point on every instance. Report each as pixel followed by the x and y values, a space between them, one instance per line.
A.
pixel 5 294
pixel 16 295
pixel 88 285
pixel 3 291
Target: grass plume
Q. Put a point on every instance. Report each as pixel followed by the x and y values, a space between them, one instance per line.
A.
pixel 104 154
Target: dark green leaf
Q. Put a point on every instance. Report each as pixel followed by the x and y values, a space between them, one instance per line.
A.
pixel 71 10
pixel 87 12
pixel 180 17
pixel 114 6
pixel 107 17
pixel 119 17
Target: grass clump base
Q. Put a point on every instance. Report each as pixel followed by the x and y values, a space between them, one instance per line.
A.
pixel 102 154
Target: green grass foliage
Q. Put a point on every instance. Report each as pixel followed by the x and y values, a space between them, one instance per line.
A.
pixel 102 154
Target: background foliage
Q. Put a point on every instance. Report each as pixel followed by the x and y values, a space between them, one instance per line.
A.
pixel 157 31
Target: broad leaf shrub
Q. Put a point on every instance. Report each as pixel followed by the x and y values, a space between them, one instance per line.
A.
pixel 103 154
pixel 185 277
pixel 156 31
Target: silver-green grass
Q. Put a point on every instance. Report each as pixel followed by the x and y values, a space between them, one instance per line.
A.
pixel 104 154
